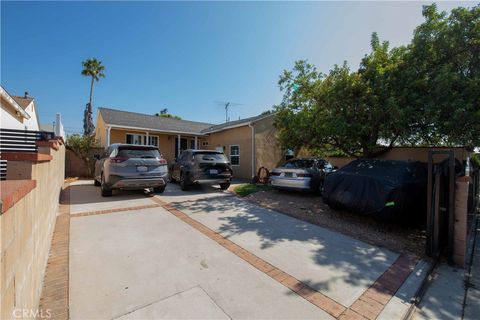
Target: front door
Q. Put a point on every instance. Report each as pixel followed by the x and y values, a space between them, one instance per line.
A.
pixel 183 145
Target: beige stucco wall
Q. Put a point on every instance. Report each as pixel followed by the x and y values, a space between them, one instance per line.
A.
pixel 269 153
pixel 100 131
pixel 241 136
pixel 26 232
pixel 402 154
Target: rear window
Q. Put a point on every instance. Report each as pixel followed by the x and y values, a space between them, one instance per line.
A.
pixel 133 152
pixel 301 164
pixel 210 157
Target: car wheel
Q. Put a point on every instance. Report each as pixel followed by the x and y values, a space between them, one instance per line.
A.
pixel 96 183
pixel 224 186
pixel 183 181
pixel 106 191
pixel 159 189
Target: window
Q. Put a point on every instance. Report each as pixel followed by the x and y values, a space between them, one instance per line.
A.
pixel 299 164
pixel 135 138
pixel 235 155
pixel 153 141
pixel 142 139
pixel 138 152
pixel 192 144
pixel 204 143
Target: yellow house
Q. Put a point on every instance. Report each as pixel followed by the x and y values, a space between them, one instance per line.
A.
pixel 249 143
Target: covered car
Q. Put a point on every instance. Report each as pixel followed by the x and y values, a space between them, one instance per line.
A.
pixel 386 189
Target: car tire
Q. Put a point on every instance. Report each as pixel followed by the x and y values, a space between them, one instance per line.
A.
pixel 224 186
pixel 159 189
pixel 183 182
pixel 96 183
pixel 106 191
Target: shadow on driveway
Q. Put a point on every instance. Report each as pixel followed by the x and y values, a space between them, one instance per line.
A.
pixel 327 261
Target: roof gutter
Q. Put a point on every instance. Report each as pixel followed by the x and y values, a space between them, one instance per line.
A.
pixel 19 110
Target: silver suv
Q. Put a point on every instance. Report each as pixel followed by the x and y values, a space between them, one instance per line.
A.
pixel 202 167
pixel 130 167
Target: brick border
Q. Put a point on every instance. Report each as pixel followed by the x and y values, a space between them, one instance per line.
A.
pixel 371 303
pixel 368 306
pixel 106 211
pixel 54 297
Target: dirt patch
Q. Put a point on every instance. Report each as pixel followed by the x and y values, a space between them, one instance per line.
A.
pixel 310 208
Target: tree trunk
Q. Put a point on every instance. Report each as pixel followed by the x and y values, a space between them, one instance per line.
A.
pixel 91 95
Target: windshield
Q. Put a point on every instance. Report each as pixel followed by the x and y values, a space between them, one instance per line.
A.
pixel 299 164
pixel 213 156
pixel 133 152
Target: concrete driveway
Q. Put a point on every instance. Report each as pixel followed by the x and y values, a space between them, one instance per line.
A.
pixel 207 254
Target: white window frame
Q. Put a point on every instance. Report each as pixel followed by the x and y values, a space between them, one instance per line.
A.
pixel 144 137
pixel 235 155
pixel 158 140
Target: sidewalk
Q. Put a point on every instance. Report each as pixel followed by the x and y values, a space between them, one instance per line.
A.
pixel 446 297
pixel 472 299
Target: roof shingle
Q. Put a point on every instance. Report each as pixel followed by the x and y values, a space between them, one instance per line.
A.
pixel 22 102
pixel 133 119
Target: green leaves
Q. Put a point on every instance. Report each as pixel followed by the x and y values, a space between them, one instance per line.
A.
pixel 93 68
pixel 426 93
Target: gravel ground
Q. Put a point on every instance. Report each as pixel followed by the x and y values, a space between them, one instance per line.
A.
pixel 310 208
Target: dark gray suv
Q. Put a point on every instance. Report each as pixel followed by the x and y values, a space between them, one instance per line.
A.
pixel 202 167
pixel 130 167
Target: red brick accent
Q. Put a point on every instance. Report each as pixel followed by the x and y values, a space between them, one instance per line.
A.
pixel 25 156
pixel 92 213
pixel 52 143
pixel 373 300
pixel 54 296
pixel 350 315
pixel 13 191
pixel 303 290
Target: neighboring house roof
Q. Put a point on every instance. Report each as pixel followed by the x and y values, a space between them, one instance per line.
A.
pixel 134 120
pixel 236 123
pixel 11 100
pixel 22 101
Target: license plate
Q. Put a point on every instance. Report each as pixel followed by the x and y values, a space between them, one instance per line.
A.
pixel 142 168
pixel 288 174
pixel 213 171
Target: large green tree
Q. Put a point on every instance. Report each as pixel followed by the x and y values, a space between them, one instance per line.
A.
pixel 94 69
pixel 441 77
pixel 426 93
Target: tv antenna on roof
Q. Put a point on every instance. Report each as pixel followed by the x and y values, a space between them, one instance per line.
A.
pixel 227 105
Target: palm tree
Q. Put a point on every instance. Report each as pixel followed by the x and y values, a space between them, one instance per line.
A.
pixel 91 68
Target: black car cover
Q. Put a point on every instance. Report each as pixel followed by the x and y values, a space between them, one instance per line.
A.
pixel 386 189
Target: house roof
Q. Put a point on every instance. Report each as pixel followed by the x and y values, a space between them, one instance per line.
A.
pixel 236 123
pixel 22 101
pixel 13 103
pixel 145 121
